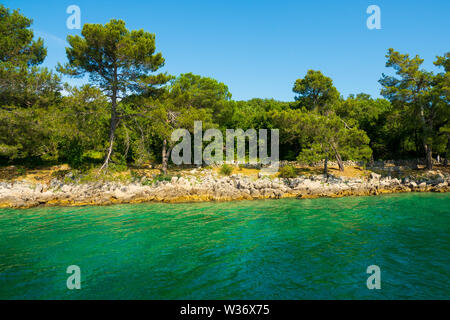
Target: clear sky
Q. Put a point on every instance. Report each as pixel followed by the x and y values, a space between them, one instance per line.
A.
pixel 259 48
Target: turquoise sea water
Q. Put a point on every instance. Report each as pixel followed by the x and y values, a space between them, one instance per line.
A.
pixel 272 249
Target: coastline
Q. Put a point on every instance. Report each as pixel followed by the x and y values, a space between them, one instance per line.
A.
pixel 210 187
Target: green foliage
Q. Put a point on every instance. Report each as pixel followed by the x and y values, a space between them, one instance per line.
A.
pixel 28 87
pixel 131 110
pixel 118 167
pixel 60 174
pixel 114 58
pixel 316 92
pixel 287 172
pixel 420 96
pixel 162 177
pixel 199 92
pixel 16 43
pixel 23 134
pixel 135 176
pixel 72 151
pixel 226 169
pixel 21 171
pixel 377 118
pixel 329 136
pixel 312 154
pixel 120 63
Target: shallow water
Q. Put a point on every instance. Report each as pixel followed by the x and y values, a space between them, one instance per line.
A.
pixel 270 249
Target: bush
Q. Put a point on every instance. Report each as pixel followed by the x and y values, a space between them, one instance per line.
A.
pixel 117 167
pixel 21 171
pixel 162 177
pixel 288 172
pixel 60 174
pixel 226 169
pixel 136 176
pixel 71 151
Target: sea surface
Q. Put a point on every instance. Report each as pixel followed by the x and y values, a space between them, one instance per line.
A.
pixel 269 249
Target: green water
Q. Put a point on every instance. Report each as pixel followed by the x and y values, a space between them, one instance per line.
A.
pixel 274 249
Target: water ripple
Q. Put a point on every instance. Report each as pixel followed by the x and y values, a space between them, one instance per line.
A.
pixel 285 249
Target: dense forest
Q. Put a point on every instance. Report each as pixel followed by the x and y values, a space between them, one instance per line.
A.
pixel 127 112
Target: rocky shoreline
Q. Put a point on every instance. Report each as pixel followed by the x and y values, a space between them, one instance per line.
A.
pixel 210 187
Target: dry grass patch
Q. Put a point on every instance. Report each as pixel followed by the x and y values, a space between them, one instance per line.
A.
pixel 349 172
pixel 37 175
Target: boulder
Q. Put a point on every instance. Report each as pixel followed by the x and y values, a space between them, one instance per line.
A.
pixel 423 185
pixel 39 188
pixel 375 176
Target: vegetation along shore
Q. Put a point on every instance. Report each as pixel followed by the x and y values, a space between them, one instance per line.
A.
pixel 61 186
pixel 108 140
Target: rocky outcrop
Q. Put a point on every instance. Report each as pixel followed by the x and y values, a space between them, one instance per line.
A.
pixel 210 187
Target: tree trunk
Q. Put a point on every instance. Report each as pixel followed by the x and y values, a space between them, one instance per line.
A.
pixel 164 162
pixel 114 122
pixel 165 156
pixel 325 168
pixel 338 159
pixel 429 154
pixel 112 133
pixel 428 150
pixel 340 162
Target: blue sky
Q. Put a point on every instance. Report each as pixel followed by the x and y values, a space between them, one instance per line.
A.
pixel 259 48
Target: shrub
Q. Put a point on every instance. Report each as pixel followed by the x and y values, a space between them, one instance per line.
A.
pixel 71 150
pixel 60 174
pixel 288 172
pixel 21 171
pixel 162 177
pixel 117 167
pixel 226 169
pixel 135 176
